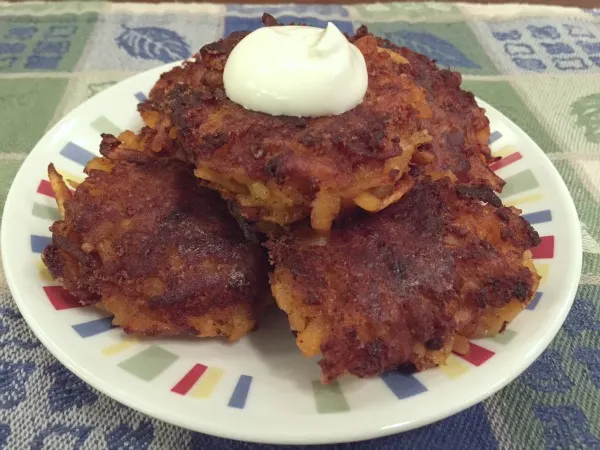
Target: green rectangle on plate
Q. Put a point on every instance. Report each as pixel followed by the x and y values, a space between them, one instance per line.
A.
pixel 45 212
pixel 519 182
pixel 329 398
pixel 149 363
pixel 505 337
pixel 103 125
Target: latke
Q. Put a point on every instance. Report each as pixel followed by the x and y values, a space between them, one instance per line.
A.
pixel 143 241
pixel 408 285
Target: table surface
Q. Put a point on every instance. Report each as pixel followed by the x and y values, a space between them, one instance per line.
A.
pixel 538 65
pixel 571 3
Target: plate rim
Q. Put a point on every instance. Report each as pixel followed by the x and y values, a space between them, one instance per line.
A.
pixel 228 431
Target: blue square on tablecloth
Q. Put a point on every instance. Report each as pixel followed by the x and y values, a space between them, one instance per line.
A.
pixel 126 41
pixel 237 23
pixel 320 11
pixel 469 429
pixel 541 45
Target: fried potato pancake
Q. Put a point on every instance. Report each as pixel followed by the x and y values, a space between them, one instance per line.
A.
pixel 459 128
pixel 406 286
pixel 282 169
pixel 143 241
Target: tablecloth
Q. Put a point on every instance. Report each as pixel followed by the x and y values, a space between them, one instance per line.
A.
pixel 539 65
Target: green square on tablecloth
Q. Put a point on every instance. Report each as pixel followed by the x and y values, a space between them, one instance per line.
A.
pixel 43 43
pixel 585 191
pixel 505 99
pixel 584 185
pixel 54 7
pixel 568 106
pixel 8 170
pixel 85 86
pixel 96 88
pixel 27 106
pixel 451 44
pixel 383 11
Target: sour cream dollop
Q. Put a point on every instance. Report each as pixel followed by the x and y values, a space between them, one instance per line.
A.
pixel 297 71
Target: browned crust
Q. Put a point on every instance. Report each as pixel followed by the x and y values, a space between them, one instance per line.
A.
pixel 323 167
pixel 287 149
pixel 459 128
pixel 340 157
pixel 158 251
pixel 389 289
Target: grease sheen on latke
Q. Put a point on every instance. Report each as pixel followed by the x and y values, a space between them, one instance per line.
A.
pixel 282 169
pixel 145 242
pixel 406 286
pixel 459 128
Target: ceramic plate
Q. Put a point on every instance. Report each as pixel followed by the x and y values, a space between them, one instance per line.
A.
pixel 261 388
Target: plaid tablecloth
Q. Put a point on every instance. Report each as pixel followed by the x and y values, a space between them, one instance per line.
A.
pixel 539 65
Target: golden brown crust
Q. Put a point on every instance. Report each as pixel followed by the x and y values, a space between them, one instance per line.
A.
pixel 145 242
pixel 281 169
pixel 459 128
pixel 401 286
pixel 217 131
pixel 148 144
pixel 60 189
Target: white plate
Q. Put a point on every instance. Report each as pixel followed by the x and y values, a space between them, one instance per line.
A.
pixel 261 388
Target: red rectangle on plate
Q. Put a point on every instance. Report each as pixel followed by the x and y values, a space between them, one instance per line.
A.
pixel 61 298
pixel 509 159
pixel 545 250
pixel 45 189
pixel 477 355
pixel 185 384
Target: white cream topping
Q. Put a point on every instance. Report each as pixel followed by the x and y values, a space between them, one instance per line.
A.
pixel 296 71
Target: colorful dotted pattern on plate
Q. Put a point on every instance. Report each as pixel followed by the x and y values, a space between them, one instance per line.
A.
pixel 200 380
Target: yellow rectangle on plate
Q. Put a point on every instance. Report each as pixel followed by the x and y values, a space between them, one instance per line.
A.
pixel 542 270
pixel 207 383
pixel 43 271
pixel 453 367
pixel 119 347
pixel 505 151
pixel 71 176
pixel 518 201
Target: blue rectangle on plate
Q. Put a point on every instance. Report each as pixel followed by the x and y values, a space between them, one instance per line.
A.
pixel 538 217
pixel 240 393
pixel 494 137
pixel 403 386
pixel 534 302
pixel 94 327
pixel 76 153
pixel 39 243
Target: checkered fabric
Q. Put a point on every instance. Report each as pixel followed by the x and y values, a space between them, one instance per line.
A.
pixel 539 65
